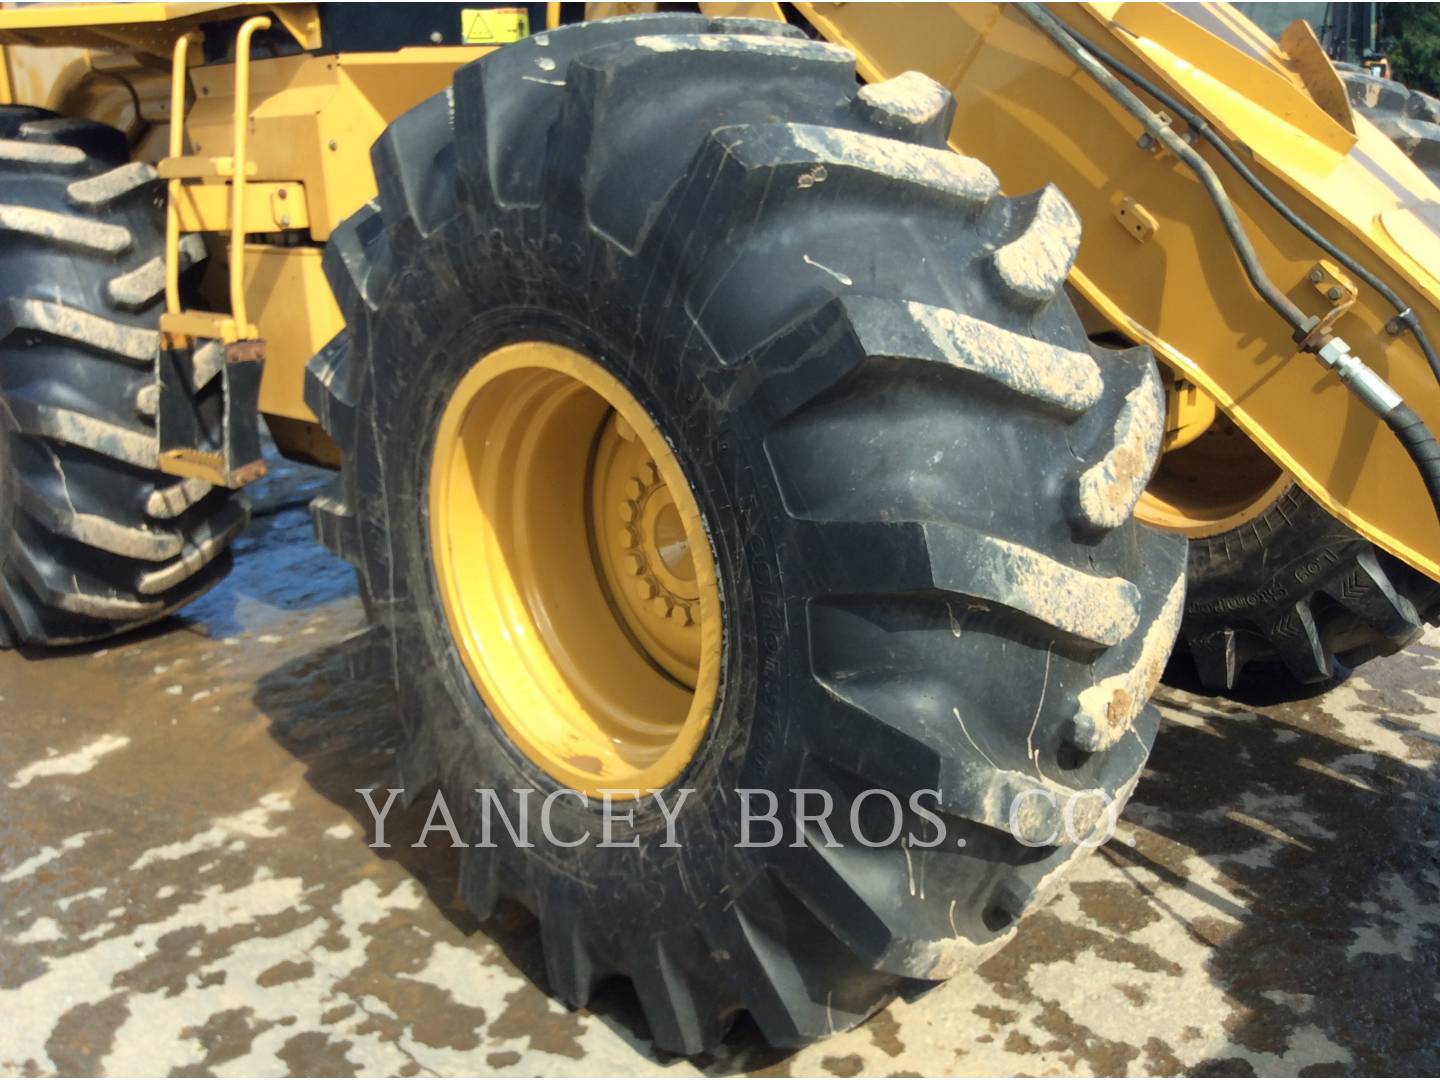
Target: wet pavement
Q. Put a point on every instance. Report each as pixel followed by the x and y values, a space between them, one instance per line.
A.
pixel 185 886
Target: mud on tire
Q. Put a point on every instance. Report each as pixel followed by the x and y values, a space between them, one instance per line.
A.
pixel 916 472
pixel 93 539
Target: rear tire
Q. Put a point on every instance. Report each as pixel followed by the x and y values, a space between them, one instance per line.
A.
pixel 915 472
pixel 93 539
pixel 1295 598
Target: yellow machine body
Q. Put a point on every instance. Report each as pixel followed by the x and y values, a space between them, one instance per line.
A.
pixel 1155 266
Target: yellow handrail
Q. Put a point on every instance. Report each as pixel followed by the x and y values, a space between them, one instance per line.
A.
pixel 237 182
pixel 179 80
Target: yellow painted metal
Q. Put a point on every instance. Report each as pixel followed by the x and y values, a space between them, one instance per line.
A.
pixel 644 551
pixel 240 148
pixel 291 302
pixel 517 511
pixel 140 27
pixel 1029 113
pixel 269 207
pixel 314 119
pixel 218 325
pixel 1318 75
pixel 1189 412
pixel 208 466
pixel 611 11
pixel 202 168
pixel 748 11
pixel 302 20
pixel 180 60
pixel 7 93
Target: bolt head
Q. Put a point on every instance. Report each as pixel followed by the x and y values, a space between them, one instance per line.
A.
pixel 1333 292
pixel 1316 275
pixel 633 490
pixel 634 564
pixel 649 475
pixel 646 588
pixel 628 509
pixel 661 604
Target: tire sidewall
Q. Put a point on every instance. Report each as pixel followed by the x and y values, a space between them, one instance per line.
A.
pixel 1269 564
pixel 673 375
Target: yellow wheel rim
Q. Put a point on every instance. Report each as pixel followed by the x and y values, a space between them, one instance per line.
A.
pixel 1212 485
pixel 575 570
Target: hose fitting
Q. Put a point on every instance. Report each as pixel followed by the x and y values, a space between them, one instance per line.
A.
pixel 1377 395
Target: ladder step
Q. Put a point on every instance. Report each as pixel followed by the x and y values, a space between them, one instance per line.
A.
pixel 205 324
pixel 199 168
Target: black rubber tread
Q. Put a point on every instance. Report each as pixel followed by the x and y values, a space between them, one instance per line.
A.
pixel 1410 118
pixel 1297 596
pixel 93 539
pixel 841 328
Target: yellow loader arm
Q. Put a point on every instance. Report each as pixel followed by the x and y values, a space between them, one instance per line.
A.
pixel 1155 263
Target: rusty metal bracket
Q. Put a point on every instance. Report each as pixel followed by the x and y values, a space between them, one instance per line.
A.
pixel 1340 292
pixel 208 421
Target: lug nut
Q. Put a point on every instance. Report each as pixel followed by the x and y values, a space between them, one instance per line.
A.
pixel 628 509
pixel 646 588
pixel 633 490
pixel 649 475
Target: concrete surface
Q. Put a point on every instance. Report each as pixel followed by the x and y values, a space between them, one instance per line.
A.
pixel 185 886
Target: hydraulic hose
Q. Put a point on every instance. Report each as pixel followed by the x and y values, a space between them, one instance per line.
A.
pixel 1163 133
pixel 1372 391
pixel 1404 316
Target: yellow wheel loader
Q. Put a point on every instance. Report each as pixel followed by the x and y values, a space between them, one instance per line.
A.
pixel 784 423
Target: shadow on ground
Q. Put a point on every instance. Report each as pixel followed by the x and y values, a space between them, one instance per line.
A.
pixel 1314 930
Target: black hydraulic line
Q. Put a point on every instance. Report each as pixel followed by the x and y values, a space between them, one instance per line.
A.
pixel 1420 444
pixel 1132 104
pixel 1404 317
pixel 1372 391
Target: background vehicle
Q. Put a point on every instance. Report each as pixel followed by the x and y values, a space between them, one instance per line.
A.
pixel 704 420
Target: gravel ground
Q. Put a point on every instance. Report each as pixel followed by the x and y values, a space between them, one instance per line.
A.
pixel 185 886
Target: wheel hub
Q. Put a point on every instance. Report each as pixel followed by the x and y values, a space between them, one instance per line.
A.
pixel 576 574
pixel 645 552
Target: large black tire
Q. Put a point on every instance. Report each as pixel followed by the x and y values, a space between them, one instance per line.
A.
pixel 93 539
pixel 1410 118
pixel 1297 598
pixel 916 473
